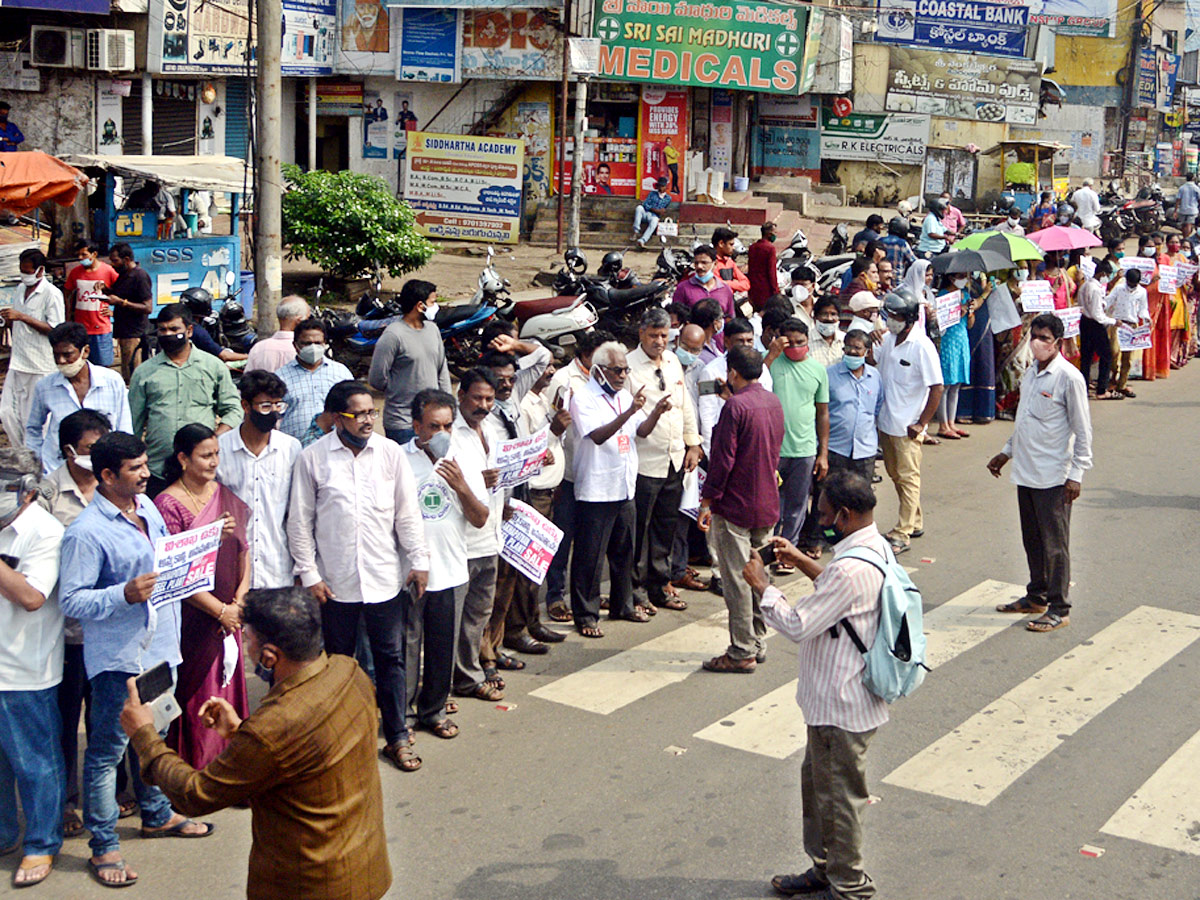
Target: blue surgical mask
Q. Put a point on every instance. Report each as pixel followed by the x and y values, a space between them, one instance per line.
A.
pixel 705 278
pixel 854 363
pixel 685 357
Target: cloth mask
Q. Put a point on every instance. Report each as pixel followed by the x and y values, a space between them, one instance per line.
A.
pixel 311 353
pixel 265 422
pixel 172 343
pixel 827 329
pixel 960 283
pixel 854 363
pixel 833 534
pixel 30 280
pixel 796 354
pixel 1042 351
pixel 1148 252
pixel 70 370
pixel 439 444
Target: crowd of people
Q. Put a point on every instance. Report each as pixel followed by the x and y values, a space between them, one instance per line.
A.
pixel 725 430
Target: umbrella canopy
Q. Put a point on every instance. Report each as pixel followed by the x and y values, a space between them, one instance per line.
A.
pixel 1056 237
pixel 1013 246
pixel 29 178
pixel 966 261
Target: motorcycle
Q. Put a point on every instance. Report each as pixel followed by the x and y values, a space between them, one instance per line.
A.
pixel 672 265
pixel 618 307
pixel 839 241
pixel 557 321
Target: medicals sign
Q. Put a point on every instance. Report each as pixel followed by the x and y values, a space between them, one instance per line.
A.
pixel 963 25
pixel 464 187
pixel 736 45
pixel 889 138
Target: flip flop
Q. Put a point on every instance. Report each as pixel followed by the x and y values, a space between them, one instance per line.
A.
pixel 176 831
pixel 96 868
pixel 1048 622
pixel 39 861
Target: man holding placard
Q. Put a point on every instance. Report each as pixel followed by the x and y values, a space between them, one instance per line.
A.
pixel 1094 322
pixel 1129 307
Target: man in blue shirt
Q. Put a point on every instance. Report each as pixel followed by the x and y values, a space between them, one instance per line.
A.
pixel 855 395
pixel 895 247
pixel 308 379
pixel 933 234
pixel 1188 205
pixel 872 232
pixel 648 211
pixel 106 580
pixel 10 135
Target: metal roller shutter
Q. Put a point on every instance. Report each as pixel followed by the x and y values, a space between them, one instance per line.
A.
pixel 174 122
pixel 237 118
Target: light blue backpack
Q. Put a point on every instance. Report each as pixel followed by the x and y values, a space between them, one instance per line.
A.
pixel 895 661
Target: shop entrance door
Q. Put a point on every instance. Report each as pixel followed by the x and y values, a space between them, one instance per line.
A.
pixel 333 143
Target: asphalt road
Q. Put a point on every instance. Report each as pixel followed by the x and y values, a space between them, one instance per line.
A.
pixel 644 779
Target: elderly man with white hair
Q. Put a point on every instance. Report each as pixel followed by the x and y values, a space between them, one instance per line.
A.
pixel 279 349
pixel 605 420
pixel 1087 205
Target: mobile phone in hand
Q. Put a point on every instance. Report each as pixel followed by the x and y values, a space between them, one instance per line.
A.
pixel 767 552
pixel 153 683
pixel 707 388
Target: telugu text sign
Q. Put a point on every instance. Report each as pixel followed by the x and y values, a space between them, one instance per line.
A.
pixel 964 86
pixel 949 310
pixel 740 45
pixel 1070 319
pixel 186 563
pixel 1037 296
pixel 529 541
pixel 883 137
pixel 465 187
pixel 519 459
pixel 966 26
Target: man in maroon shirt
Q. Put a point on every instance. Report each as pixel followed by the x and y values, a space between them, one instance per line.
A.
pixel 764 282
pixel 740 510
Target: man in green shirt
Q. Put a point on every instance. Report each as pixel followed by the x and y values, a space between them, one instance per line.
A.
pixel 802 386
pixel 176 387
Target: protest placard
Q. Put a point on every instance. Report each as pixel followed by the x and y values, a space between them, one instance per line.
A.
pixel 1134 338
pixel 186 563
pixel 693 484
pixel 1036 297
pixel 1168 279
pixel 949 309
pixel 1187 271
pixel 1070 319
pixel 1087 265
pixel 530 541
pixel 520 459
pixel 1144 264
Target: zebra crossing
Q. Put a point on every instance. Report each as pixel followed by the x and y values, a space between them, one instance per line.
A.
pixel 975 762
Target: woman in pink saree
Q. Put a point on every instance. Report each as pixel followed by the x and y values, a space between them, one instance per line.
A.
pixel 194 498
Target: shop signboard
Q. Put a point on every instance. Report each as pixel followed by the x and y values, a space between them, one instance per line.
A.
pixel 1097 18
pixel 964 86
pixel 662 139
pixel 616 176
pixel 175 266
pixel 967 26
pixel 465 187
pixel 735 45
pixel 368 35
pixel 309 34
pixel 1157 72
pixel 429 41
pixel 93 7
pixel 889 137
pixel 339 98
pixel 512 44
pixel 197 37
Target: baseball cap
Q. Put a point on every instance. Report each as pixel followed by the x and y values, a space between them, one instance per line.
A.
pixel 863 300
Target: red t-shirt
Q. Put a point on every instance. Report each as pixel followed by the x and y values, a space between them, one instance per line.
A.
pixel 91 309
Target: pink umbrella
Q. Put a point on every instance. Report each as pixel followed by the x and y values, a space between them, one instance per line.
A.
pixel 1056 237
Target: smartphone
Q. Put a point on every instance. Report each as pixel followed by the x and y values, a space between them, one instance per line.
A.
pixel 154 682
pixel 707 388
pixel 767 552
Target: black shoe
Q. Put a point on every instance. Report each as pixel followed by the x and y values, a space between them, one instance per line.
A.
pixel 714 585
pixel 760 657
pixel 920 532
pixel 526 644
pixel 546 635
pixel 805 884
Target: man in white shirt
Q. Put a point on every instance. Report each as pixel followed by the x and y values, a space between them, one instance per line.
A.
pixel 450 498
pixel 687 351
pixel 605 421
pixel 1087 205
pixel 1012 224
pixel 256 463
pixel 1094 322
pixel 31 660
pixel 841 715
pixel 356 535
pixel 911 376
pixel 1051 447
pixel 37 306
pixel 1129 305
pixel 669 450
pixel 280 348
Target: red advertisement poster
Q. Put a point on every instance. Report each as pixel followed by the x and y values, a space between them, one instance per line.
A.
pixel 616 177
pixel 662 139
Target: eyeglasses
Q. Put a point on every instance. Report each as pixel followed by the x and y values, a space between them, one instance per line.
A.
pixel 369 416
pixel 271 406
pixel 616 370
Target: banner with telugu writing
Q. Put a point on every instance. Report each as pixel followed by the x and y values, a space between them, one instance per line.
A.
pixel 966 26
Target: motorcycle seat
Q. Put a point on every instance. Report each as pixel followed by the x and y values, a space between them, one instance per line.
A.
pixel 452 315
pixel 621 296
pixel 527 309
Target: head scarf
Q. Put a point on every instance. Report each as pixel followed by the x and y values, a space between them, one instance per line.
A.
pixel 914 278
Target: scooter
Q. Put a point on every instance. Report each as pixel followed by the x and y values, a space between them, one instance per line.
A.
pixel 797 251
pixel 839 241
pixel 556 321
pixel 618 308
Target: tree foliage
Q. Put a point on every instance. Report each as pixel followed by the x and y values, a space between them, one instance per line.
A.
pixel 348 223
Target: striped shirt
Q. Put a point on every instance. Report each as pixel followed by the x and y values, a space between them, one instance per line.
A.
pixel 831 691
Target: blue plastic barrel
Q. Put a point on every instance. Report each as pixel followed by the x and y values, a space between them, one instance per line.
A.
pixel 247 294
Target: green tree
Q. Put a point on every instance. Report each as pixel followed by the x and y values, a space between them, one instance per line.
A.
pixel 348 223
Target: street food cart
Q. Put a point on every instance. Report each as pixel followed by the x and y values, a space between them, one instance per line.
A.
pixel 191 256
pixel 1030 167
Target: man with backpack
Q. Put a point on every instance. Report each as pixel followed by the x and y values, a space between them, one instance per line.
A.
pixel 842 714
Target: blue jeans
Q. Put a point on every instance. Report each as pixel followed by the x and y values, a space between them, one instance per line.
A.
pixel 31 764
pixel 101 349
pixel 106 746
pixel 649 219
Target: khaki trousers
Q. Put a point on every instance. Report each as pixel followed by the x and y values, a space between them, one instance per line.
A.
pixel 833 789
pixel 902 460
pixel 732 543
pixel 16 399
pixel 1121 360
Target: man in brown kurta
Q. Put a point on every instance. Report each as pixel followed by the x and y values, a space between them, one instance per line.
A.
pixel 305 761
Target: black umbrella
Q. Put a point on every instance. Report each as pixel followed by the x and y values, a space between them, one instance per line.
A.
pixel 967 261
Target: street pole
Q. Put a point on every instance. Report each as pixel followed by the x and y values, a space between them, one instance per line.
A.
pixel 268 244
pixel 581 92
pixel 562 119
pixel 147 114
pixel 312 123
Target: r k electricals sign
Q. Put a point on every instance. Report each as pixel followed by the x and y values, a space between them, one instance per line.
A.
pixel 738 45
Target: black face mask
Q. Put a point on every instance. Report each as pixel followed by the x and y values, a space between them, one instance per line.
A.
pixel 263 421
pixel 833 534
pixel 354 440
pixel 171 344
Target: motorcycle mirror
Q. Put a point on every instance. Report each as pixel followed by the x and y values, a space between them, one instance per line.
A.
pixel 507 283
pixel 230 278
pixel 491 253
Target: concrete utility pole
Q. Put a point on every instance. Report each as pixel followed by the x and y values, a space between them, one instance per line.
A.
pixel 147 114
pixel 268 226
pixel 581 92
pixel 312 124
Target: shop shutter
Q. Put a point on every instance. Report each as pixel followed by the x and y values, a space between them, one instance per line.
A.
pixel 237 119
pixel 131 120
pixel 174 126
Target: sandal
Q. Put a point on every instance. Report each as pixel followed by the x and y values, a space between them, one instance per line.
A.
pixel 559 613
pixel 946 436
pixel 117 865
pixel 72 824
pixel 727 664
pixel 961 433
pixel 1048 622
pixel 1128 393
pixel 673 602
pixel 898 544
pixel 639 614
pixel 491 676
pixel 649 607
pixel 930 441
pixel 33 862
pixel 783 569
pixel 445 729
pixel 402 756
pixel 810 551
pixel 1110 395
pixel 126 808
pixel 176 831
pixel 485 690
pixel 509 663
pixel 1022 607
pixel 590 631
pixel 451 706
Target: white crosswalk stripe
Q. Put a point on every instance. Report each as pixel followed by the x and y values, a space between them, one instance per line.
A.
pixel 1163 811
pixel 981 758
pixel 773 725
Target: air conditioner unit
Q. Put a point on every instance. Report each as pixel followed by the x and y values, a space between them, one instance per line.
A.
pixel 57 47
pixel 110 50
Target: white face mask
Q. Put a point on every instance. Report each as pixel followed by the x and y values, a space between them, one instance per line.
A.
pixel 960 283
pixel 1148 252
pixel 1014 220
pixel 70 370
pixel 84 462
pixel 431 311
pixel 827 329
pixel 799 293
pixel 1022 274
pixel 31 280
pixel 895 326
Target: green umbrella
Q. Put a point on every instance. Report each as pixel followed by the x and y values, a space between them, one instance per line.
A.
pixel 1013 246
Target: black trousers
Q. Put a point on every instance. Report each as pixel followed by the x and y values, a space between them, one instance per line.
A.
pixel 1094 342
pixel 602 529
pixel 1046 534
pixel 385 633
pixel 432 623
pixel 656 502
